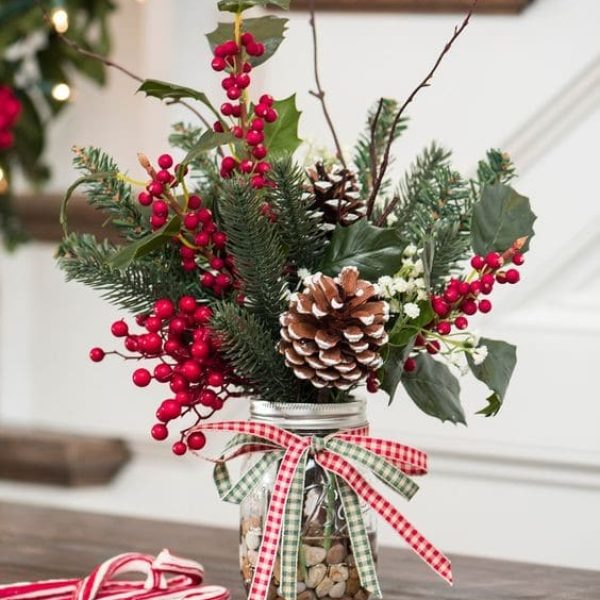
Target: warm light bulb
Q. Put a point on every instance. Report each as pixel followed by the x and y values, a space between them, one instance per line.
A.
pixel 3 182
pixel 60 20
pixel 61 92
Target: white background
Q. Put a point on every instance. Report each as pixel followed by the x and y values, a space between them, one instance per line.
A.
pixel 524 486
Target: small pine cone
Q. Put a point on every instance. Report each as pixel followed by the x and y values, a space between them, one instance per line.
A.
pixel 336 195
pixel 333 331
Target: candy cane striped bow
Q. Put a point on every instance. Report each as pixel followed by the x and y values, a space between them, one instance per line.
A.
pixel 388 461
pixel 185 583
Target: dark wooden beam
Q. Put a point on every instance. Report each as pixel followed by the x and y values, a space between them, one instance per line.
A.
pixel 423 6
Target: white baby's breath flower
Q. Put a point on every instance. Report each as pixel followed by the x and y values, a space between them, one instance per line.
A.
pixel 479 354
pixel 401 285
pixel 392 219
pixel 304 275
pixel 422 295
pixel 395 306
pixel 473 339
pixel 418 268
pixel 386 285
pixel 411 310
pixel 410 250
pixel 420 283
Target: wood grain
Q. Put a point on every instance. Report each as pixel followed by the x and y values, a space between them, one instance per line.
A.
pixel 38 543
pixel 60 458
pixel 426 6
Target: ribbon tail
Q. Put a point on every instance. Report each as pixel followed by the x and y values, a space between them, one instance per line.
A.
pixel 419 544
pixel 290 537
pixel 361 545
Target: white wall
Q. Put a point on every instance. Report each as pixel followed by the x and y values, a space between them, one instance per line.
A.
pixel 532 81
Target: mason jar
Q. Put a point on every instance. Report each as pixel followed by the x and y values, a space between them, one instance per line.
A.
pixel 326 565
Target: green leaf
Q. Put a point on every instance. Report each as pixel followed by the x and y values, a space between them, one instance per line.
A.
pixel 500 218
pixel 169 91
pixel 495 371
pixel 372 250
pixel 209 140
pixel 404 330
pixel 281 137
pixel 269 30
pixel 237 6
pixel 434 389
pixel 125 257
pixel 391 373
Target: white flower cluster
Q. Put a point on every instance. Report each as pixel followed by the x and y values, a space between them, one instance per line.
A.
pixel 407 287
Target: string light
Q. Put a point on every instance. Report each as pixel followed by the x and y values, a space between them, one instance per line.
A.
pixel 60 20
pixel 3 182
pixel 61 92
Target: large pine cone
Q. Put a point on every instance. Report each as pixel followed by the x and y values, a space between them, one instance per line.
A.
pixel 337 195
pixel 333 331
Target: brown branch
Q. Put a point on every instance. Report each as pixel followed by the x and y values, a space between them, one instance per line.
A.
pixel 110 63
pixel 320 93
pixel 381 221
pixel 425 83
pixel 372 144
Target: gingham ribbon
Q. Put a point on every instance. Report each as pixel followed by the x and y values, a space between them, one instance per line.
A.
pixel 389 461
pixel 184 582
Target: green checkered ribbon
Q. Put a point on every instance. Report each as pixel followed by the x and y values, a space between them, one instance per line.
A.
pixel 389 461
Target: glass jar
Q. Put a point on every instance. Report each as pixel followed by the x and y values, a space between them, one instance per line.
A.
pixel 326 566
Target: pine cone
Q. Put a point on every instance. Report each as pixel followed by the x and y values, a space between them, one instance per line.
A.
pixel 333 331
pixel 337 195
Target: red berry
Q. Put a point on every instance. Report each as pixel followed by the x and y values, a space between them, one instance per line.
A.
pixel 162 373
pixel 164 308
pixel 165 161
pixel 478 262
pixel 204 215
pixel 501 277
pixel 194 202
pixel 207 279
pixel 451 295
pixel 267 100
pixel 222 280
pixel 179 448
pixel 170 409
pixel 144 198
pixel 410 364
pixel 97 354
pixel 485 306
pixel 219 239
pixel 200 350
pixel 177 326
pixel 157 222
pixel 218 63
pixel 227 109
pixel 259 152
pixel 142 377
pixel 220 51
pixel 372 385
pixel 513 276
pixel 187 304
pixel 236 110
pixel 254 138
pixel 242 81
pixel 461 323
pixel 231 47
pixel 443 327
pixel 258 182
pixel 153 324
pixel 468 307
pixel 178 384
pixel 246 38
pixel 493 260
pixel 196 440
pixel 263 168
pixel 518 259
pixel 203 314
pixel 260 110
pixel 218 127
pixel 440 307
pixel 119 329
pixel 207 397
pixel 131 343
pixel 191 221
pixel 191 370
pixel 246 166
pixel 202 239
pixel 257 124
pixel 234 92
pixel 463 288
pixel 215 379
pixel 271 115
pixel 229 163
pixel 159 432
pixel 217 263
pixel 183 398
pixel 238 132
pixel 156 188
pixel 475 287
pixel 160 208
pixel 433 347
pixel 152 343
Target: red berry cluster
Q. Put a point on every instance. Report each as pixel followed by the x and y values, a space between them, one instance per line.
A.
pixel 10 109
pixel 201 243
pixel 462 298
pixel 189 362
pixel 232 58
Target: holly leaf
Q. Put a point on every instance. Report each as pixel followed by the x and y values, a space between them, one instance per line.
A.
pixel 209 140
pixel 405 329
pixel 391 372
pixel 237 6
pixel 124 258
pixel 499 218
pixel 281 137
pixel 495 371
pixel 269 30
pixel 169 91
pixel 372 250
pixel 434 389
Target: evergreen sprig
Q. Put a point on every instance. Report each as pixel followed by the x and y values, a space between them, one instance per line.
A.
pixel 111 194
pixel 497 167
pixel 249 346
pixel 257 249
pixel 87 260
pixel 298 225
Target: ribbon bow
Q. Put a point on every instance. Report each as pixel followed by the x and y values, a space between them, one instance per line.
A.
pixel 185 583
pixel 389 461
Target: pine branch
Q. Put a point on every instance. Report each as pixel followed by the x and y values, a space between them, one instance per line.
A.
pixel 298 226
pixel 257 250
pixel 111 195
pixel 497 167
pixel 86 260
pixel 249 345
pixel 371 144
pixel 11 229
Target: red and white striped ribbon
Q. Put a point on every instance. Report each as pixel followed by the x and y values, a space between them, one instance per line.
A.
pixel 168 577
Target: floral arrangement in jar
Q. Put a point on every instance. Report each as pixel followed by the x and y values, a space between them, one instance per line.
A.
pixel 300 289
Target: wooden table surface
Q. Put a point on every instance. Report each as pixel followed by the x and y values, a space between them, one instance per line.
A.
pixel 42 543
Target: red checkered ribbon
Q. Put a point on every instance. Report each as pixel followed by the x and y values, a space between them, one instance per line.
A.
pixel 168 577
pixel 389 461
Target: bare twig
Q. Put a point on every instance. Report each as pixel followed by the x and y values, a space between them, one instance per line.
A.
pixel 372 142
pixel 110 63
pixel 320 93
pixel 425 83
pixel 381 221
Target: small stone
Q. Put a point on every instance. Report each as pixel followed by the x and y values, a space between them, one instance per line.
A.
pixel 314 530
pixel 338 589
pixel 337 554
pixel 313 555
pixel 250 523
pixel 272 593
pixel 324 587
pixel 350 560
pixel 277 571
pixel 306 595
pixel 362 594
pixel 353 583
pixel 247 571
pixel 338 573
pixel 253 540
pixel 315 575
pixel 252 557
